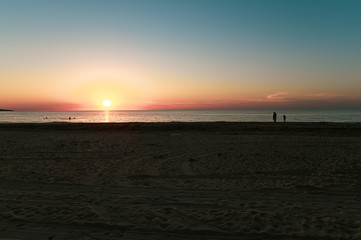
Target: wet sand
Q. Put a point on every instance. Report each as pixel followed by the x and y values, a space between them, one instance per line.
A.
pixel 180 181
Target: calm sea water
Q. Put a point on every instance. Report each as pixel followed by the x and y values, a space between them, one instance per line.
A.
pixel 183 116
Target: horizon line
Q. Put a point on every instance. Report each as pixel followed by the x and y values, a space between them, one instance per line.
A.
pixel 145 110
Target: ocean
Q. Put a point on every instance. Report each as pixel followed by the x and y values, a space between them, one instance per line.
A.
pixel 350 116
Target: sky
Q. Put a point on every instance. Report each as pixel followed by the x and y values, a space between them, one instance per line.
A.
pixel 188 54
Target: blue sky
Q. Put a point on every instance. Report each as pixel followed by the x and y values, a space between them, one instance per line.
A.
pixel 289 49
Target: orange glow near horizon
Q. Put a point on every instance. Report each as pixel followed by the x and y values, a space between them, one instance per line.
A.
pixel 147 89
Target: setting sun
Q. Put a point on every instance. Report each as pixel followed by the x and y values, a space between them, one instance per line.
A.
pixel 107 103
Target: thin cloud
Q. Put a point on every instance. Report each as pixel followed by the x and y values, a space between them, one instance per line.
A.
pixel 279 100
pixel 278 96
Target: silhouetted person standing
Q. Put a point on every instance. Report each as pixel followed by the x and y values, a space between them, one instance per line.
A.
pixel 284 118
pixel 274 116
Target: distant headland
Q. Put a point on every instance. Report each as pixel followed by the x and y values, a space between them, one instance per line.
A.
pixel 6 110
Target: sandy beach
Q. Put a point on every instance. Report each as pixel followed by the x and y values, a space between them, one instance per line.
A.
pixel 215 180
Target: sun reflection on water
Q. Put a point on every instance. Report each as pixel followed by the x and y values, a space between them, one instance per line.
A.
pixel 106 116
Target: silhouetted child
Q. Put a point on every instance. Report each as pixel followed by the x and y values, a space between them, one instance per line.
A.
pixel 274 116
pixel 284 118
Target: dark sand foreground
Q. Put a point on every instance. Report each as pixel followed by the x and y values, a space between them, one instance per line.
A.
pixel 180 181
